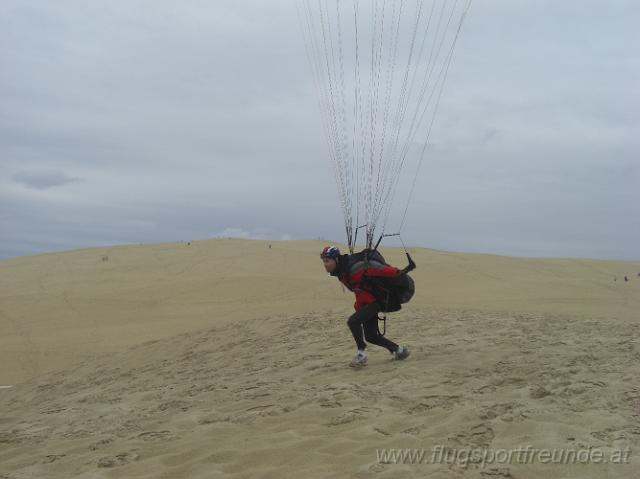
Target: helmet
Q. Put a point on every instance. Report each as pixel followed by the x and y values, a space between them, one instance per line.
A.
pixel 330 252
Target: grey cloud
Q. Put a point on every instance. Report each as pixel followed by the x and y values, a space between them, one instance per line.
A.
pixel 42 180
pixel 189 120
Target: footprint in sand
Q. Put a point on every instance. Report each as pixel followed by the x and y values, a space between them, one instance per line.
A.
pixel 434 401
pixel 377 468
pixel 328 402
pixel 480 435
pixel 539 392
pixel 53 458
pixel 504 411
pixel 118 460
pixel 497 473
pixel 157 436
pixel 414 431
pixel 101 443
pixel 353 415
pixel 174 405
pixel 486 389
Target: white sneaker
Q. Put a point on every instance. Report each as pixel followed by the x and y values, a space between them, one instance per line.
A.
pixel 402 353
pixel 359 360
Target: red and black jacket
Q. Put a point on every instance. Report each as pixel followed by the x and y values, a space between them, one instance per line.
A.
pixel 353 274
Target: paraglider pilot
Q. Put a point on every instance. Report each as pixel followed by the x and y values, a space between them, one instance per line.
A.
pixel 364 322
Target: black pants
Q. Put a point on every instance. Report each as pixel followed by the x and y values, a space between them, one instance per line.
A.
pixel 366 320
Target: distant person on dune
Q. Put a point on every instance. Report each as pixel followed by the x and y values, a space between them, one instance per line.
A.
pixel 364 322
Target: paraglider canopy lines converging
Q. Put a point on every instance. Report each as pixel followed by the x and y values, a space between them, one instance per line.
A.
pixel 379 68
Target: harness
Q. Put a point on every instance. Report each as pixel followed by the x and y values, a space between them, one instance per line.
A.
pixel 389 293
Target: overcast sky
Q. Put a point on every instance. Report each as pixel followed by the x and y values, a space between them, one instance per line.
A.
pixel 149 121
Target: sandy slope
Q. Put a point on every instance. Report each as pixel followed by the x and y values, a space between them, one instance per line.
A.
pixel 58 309
pixel 243 372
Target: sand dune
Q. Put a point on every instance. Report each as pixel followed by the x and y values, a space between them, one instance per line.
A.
pixel 228 358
